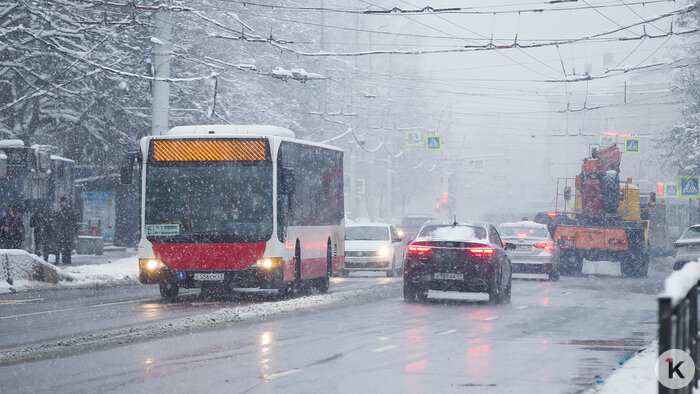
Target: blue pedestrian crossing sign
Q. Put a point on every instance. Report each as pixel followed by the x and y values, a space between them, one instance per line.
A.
pixel 361 183
pixel 689 186
pixel 607 140
pixel 413 138
pixel 477 164
pixel 631 145
pixel 433 142
pixel 671 190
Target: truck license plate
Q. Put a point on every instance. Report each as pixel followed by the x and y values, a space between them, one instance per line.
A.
pixel 448 276
pixel 212 276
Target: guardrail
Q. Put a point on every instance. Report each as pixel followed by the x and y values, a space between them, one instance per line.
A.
pixel 678 318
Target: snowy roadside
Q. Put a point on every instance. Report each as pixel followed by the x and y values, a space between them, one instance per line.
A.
pixel 635 376
pixel 107 273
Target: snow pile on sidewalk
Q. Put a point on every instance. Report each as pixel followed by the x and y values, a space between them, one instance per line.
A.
pixel 679 283
pixel 636 375
pixel 19 266
pixel 30 272
pixel 116 272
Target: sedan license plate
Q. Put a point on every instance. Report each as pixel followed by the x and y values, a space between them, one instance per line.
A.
pixel 213 276
pixel 523 248
pixel 448 276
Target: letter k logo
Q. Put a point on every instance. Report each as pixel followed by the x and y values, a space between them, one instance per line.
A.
pixel 672 368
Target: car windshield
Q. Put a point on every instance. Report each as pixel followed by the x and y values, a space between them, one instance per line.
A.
pixel 692 233
pixel 517 231
pixel 228 203
pixel 366 233
pixel 452 233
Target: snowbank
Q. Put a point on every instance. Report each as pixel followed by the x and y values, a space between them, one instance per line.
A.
pixel 29 272
pixel 19 265
pixel 679 282
pixel 636 375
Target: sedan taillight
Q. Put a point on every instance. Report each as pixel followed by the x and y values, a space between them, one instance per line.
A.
pixel 545 245
pixel 418 249
pixel 480 251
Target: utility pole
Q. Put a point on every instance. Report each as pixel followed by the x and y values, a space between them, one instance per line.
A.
pixel 352 198
pixel 162 47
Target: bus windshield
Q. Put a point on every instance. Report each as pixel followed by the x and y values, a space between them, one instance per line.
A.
pixel 208 202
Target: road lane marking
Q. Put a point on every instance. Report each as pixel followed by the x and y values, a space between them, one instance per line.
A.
pixel 385 348
pixel 12 302
pixel 491 318
pixel 281 374
pixel 36 313
pixel 520 307
pixel 446 332
pixel 118 303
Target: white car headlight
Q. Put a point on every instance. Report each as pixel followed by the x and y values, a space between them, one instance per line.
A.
pixel 383 252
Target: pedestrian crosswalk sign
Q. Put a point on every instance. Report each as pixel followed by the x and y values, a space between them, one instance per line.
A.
pixel 671 190
pixel 477 164
pixel 631 145
pixel 413 138
pixel 361 182
pixel 689 186
pixel 433 142
pixel 606 140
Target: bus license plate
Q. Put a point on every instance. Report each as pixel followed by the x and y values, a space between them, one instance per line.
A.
pixel 218 276
pixel 448 276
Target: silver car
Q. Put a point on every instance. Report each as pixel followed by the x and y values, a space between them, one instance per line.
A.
pixel 534 251
pixel 687 247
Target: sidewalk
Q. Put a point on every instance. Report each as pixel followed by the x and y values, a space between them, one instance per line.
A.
pixel 636 375
pixel 114 267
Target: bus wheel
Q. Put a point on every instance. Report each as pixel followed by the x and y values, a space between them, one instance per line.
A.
pixel 322 284
pixel 168 290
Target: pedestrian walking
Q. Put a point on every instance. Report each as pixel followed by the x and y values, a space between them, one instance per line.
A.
pixel 65 228
pixel 41 223
pixel 11 230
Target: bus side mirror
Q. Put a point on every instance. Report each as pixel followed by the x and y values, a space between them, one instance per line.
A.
pixel 127 167
pixel 652 199
pixel 287 180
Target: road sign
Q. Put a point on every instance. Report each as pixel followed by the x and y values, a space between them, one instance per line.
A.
pixel 477 164
pixel 360 186
pixel 652 161
pixel 413 138
pixel 632 145
pixel 433 142
pixel 671 190
pixel 689 186
pixel 607 140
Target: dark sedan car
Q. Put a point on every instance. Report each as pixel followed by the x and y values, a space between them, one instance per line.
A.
pixel 464 257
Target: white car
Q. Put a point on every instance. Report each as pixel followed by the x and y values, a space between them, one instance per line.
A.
pixel 534 251
pixel 373 247
pixel 687 247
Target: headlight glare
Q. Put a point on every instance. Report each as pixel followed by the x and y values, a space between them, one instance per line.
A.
pixel 267 263
pixel 383 252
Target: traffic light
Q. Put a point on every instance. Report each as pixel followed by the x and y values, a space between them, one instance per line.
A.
pixel 445 197
pixel 660 189
pixel 567 193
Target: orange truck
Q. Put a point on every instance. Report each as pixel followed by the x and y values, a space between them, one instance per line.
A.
pixel 604 222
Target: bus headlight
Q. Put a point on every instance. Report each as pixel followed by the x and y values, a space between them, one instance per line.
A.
pixel 268 263
pixel 150 265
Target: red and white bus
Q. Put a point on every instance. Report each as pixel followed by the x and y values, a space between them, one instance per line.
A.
pixel 248 206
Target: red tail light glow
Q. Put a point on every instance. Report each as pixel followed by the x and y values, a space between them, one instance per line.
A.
pixel 545 245
pixel 481 251
pixel 418 249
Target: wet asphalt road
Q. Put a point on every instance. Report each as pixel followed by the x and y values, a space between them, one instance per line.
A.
pixel 554 337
